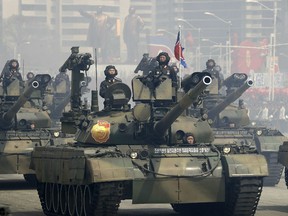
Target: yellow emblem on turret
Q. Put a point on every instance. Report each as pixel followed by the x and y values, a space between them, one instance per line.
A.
pixel 101 131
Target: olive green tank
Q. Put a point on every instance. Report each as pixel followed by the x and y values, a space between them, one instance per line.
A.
pixel 229 119
pixel 24 124
pixel 138 153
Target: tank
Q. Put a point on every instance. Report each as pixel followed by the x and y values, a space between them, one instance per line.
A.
pixel 138 153
pixel 24 124
pixel 229 118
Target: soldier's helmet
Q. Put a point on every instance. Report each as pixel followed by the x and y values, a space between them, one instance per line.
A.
pixel 163 54
pixel 210 64
pixel 13 64
pixel 106 71
pixel 30 75
pixel 187 135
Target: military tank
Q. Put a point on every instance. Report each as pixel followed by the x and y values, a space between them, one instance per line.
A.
pixel 137 153
pixel 232 119
pixel 23 124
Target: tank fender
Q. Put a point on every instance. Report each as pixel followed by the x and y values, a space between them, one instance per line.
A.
pixel 245 165
pixel 63 165
pixel 110 169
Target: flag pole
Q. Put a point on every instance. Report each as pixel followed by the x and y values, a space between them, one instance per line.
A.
pixel 180 51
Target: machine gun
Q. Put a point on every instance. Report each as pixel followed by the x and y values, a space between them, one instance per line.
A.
pixel 77 62
pixel 147 64
pixel 38 82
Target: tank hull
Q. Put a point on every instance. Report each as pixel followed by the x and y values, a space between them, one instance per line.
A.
pixel 178 178
pixel 16 148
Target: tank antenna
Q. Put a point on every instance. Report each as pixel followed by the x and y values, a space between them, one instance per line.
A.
pixel 94 93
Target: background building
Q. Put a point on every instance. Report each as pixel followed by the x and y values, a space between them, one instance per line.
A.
pixel 44 30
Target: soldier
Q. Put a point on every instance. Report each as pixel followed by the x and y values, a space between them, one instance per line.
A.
pixel 164 69
pixel 11 73
pixel 132 28
pixel 100 28
pixel 160 73
pixel 110 78
pixel 210 64
pixel 189 139
pixel 30 75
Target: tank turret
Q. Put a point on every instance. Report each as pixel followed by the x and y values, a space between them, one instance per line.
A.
pixel 183 104
pixel 38 82
pixel 233 96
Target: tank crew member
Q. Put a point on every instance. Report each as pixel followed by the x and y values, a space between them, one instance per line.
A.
pixel 164 69
pixel 11 73
pixel 161 72
pixel 189 139
pixel 30 75
pixel 210 64
pixel 110 78
pixel 132 28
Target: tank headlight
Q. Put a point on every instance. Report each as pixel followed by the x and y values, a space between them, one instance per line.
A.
pixel 133 155
pixel 259 132
pixel 56 134
pixel 226 150
pixel 253 123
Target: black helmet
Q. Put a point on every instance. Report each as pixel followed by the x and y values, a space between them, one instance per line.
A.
pixel 163 54
pixel 30 75
pixel 187 135
pixel 210 64
pixel 108 67
pixel 11 62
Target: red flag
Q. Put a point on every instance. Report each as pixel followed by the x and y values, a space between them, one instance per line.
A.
pixel 178 51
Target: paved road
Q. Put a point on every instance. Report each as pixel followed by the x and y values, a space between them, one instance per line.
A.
pixel 23 200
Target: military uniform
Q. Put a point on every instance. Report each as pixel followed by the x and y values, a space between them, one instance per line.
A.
pixel 11 73
pixel 109 80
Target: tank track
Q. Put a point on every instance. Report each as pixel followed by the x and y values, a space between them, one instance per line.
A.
pixel 242 197
pixel 275 169
pixel 104 200
pixel 286 176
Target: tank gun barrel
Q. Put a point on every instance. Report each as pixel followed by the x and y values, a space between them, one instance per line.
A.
pixel 161 126
pixel 39 81
pixel 229 99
